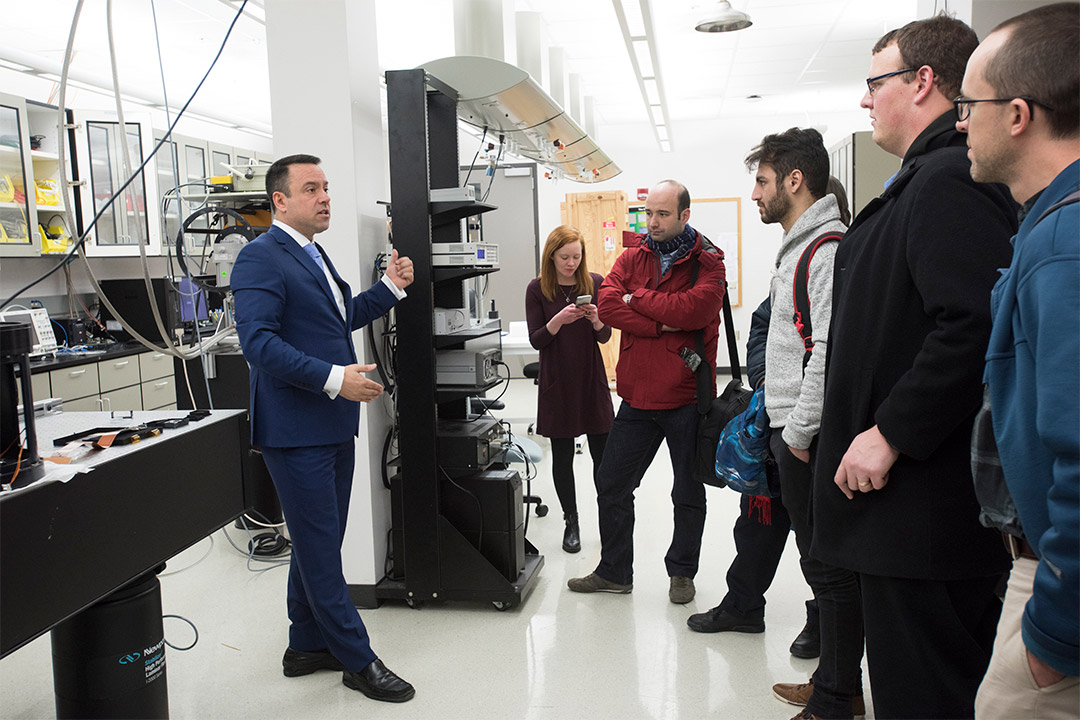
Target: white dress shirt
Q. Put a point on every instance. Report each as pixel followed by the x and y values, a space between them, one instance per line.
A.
pixel 336 378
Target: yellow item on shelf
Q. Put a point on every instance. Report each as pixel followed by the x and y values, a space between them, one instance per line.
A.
pixel 7 189
pixel 54 239
pixel 47 192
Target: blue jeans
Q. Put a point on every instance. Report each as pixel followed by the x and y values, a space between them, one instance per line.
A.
pixel 631 446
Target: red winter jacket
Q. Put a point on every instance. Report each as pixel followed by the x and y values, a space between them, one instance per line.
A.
pixel 651 375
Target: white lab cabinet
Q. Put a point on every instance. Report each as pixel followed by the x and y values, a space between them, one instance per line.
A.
pixel 17 231
pixel 220 156
pixel 135 215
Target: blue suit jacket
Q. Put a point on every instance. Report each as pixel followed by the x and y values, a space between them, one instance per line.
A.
pixel 291 333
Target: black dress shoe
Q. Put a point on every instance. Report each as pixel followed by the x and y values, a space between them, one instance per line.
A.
pixel 297 662
pixel 720 620
pixel 379 682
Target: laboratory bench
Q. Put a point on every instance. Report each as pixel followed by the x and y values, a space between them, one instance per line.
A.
pixel 73 538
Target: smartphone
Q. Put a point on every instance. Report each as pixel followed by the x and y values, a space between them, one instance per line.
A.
pixel 583 300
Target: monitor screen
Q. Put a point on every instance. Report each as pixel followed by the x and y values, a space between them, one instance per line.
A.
pixel 192 301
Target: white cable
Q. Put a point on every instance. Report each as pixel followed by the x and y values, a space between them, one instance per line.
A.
pixel 170 349
pixel 125 157
pixel 253 521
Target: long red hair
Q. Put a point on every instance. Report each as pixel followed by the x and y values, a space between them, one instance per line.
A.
pixel 549 277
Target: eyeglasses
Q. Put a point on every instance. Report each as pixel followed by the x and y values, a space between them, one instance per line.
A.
pixel 963 105
pixel 874 83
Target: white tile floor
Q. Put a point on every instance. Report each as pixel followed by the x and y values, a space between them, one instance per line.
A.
pixel 558 655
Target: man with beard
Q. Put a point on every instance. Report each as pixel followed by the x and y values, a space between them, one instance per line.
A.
pixel 791 188
pixel 665 289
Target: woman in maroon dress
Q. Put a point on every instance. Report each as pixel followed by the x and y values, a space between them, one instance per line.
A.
pixel 574 396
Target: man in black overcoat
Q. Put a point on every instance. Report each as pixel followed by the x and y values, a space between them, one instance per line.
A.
pixel 893 497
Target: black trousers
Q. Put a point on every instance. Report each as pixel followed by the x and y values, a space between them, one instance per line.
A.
pixel 928 643
pixel 761 532
pixel 838 677
pixel 562 468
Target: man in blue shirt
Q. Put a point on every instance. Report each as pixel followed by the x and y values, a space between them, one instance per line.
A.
pixel 1020 105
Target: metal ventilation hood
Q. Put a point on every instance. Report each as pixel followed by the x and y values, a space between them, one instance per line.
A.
pixel 505 99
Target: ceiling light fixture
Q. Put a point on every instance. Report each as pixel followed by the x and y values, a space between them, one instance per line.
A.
pixel 723 18
pixel 649 75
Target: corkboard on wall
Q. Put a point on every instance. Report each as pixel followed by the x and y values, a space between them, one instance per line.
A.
pixel 720 220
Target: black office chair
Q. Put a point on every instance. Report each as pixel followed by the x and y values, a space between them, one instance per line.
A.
pixel 532 370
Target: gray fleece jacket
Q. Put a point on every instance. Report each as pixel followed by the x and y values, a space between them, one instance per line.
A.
pixel 793 400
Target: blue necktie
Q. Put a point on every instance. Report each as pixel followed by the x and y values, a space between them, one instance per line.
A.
pixel 313 251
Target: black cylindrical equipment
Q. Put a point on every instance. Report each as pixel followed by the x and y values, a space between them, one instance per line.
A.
pixel 109 660
pixel 18 460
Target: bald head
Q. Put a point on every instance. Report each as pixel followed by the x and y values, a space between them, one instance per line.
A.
pixel 667 210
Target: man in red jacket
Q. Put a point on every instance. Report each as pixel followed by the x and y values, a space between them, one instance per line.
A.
pixel 665 289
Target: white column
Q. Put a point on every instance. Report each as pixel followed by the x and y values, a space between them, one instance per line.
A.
pixel 485 28
pixel 324 100
pixel 574 101
pixel 590 119
pixel 530 55
pixel 557 75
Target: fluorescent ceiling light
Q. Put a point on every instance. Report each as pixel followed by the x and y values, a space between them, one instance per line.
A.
pixel 644 59
pixel 206 119
pixel 15 66
pixel 134 100
pixel 635 23
pixel 661 132
pixel 665 146
pixel 651 91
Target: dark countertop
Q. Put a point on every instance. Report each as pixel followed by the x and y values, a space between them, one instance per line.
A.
pixel 65 360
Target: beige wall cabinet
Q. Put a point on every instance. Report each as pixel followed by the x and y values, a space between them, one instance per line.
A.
pixel 133 382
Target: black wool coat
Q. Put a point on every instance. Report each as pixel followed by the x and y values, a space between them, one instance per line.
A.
pixel 910 325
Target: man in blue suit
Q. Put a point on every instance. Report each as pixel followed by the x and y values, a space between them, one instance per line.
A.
pixel 295 317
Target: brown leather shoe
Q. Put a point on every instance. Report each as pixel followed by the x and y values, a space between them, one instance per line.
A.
pixel 799 694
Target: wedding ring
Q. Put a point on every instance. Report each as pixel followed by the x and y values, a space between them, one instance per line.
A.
pixel 863 484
